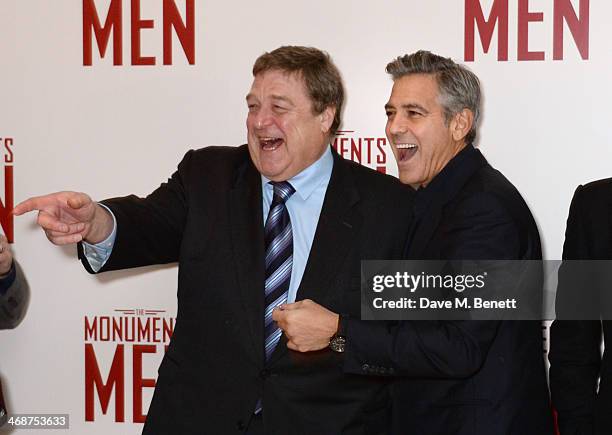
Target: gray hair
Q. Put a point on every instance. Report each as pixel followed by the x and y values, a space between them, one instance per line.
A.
pixel 459 87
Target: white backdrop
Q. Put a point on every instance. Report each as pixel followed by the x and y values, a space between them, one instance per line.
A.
pixel 111 130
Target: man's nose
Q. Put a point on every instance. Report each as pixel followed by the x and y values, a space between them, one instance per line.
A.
pixel 263 118
pixel 397 125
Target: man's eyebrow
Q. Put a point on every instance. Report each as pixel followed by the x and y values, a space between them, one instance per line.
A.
pixel 273 97
pixel 408 106
pixel 411 106
pixel 282 98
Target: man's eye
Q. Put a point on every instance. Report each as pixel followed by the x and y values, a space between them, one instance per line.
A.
pixel 414 113
pixel 389 113
pixel 279 108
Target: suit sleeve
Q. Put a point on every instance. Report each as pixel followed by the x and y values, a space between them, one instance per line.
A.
pixel 480 229
pixel 575 346
pixel 14 302
pixel 149 230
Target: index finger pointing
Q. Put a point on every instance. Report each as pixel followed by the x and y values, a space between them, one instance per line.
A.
pixel 27 206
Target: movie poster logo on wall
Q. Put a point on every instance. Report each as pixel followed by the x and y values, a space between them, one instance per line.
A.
pixel 134 340
pixel 369 151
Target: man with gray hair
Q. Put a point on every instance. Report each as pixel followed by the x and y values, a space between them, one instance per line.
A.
pixel 451 377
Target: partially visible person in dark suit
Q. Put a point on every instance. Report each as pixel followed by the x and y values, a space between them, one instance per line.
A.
pixel 580 375
pixel 14 293
pixel 451 377
pixel 283 218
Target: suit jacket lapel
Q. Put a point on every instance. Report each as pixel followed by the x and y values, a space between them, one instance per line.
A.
pixel 339 221
pixel 246 223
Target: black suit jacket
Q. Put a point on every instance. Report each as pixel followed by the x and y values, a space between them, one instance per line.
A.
pixel 576 361
pixel 208 217
pixel 463 377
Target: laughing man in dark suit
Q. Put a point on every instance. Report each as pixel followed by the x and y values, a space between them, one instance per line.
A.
pixel 283 218
pixel 451 377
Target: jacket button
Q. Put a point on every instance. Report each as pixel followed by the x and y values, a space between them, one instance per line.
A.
pixel 391 370
pixel 264 373
pixel 365 367
pixel 240 425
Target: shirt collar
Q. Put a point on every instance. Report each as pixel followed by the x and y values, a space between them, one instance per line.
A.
pixel 310 178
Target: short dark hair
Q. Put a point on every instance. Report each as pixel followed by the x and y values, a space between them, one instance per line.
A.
pixel 459 87
pixel 321 76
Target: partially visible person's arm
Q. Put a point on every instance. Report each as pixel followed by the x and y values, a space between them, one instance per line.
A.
pixel 575 346
pixel 14 290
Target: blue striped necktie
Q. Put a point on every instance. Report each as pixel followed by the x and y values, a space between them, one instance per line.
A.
pixel 279 261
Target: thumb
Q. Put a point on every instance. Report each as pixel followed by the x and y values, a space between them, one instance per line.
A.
pixel 78 200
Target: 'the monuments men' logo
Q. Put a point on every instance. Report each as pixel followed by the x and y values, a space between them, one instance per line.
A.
pixel 133 339
pixel 171 19
pixel 6 205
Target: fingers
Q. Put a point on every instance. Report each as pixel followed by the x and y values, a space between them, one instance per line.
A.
pixel 60 233
pixel 52 223
pixel 28 205
pixel 278 315
pixel 292 306
pixel 74 200
pixel 65 240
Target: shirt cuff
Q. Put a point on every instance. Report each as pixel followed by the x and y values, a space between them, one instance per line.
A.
pixel 8 280
pixel 98 254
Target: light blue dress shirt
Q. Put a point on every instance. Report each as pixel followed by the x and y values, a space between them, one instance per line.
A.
pixel 304 208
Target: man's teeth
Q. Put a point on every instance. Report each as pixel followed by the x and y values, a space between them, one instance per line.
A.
pixel 270 143
pixel 406 146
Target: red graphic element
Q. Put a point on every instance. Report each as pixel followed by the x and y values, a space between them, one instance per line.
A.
pixel 368 151
pixel 115 331
pixel 115 382
pixel 112 24
pixel 138 382
pixel 563 12
pixel 137 26
pixel 185 31
pixel 524 18
pixel 130 329
pixel 474 14
pixel 6 218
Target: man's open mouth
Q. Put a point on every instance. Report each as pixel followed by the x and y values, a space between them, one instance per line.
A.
pixel 405 151
pixel 270 143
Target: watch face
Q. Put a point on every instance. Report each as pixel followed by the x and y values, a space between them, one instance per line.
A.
pixel 337 343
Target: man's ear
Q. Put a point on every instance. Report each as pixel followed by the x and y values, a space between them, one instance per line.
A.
pixel 327 118
pixel 461 124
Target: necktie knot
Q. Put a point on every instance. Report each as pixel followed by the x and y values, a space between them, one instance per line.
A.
pixel 282 191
